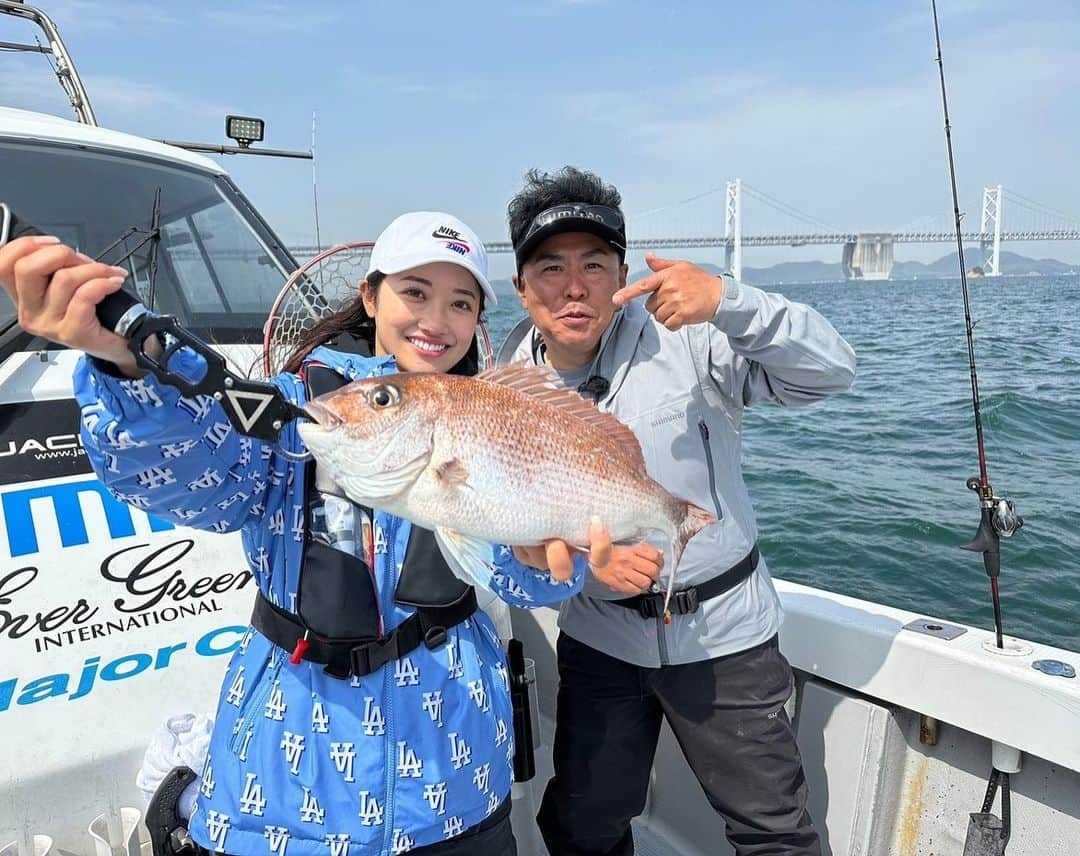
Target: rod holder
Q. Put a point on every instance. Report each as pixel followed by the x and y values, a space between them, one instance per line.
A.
pixel 1005 758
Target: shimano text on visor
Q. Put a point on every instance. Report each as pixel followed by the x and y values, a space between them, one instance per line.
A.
pixel 600 220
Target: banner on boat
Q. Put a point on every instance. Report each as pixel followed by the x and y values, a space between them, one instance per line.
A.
pixel 105 610
pixel 40 440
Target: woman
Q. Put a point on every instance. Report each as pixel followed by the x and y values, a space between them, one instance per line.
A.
pixel 325 743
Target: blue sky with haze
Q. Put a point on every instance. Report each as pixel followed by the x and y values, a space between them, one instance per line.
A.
pixel 832 108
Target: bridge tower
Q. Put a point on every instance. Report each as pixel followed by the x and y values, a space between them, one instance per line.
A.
pixel 991 224
pixel 733 228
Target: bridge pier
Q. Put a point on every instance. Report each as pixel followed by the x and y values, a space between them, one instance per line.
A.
pixel 869 257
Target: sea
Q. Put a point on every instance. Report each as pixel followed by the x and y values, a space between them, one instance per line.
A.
pixel 865 493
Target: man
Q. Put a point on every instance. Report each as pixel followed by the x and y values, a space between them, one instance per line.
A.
pixel 678 370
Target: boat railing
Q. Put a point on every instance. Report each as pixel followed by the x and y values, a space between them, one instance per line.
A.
pixel 63 64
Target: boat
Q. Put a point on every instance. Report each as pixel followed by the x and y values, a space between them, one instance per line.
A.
pixel 112 621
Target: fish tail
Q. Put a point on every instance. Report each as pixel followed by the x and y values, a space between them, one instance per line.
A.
pixel 692 519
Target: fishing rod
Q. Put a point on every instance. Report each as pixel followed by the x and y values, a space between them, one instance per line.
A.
pixel 998 516
pixel 987 835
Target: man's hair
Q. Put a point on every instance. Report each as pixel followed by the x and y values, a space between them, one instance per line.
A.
pixel 545 190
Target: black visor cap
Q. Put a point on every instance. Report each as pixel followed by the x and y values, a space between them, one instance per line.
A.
pixel 604 222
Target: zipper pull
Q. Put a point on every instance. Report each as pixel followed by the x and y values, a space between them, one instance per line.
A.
pixel 300 650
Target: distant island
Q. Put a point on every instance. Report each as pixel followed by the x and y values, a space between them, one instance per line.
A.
pixel 1012 264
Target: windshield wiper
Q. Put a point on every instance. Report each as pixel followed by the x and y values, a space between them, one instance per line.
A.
pixel 152 237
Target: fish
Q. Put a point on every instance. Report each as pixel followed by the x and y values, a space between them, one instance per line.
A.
pixel 509 456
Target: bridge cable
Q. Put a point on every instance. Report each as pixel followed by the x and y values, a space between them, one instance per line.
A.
pixel 671 205
pixel 784 208
pixel 1039 208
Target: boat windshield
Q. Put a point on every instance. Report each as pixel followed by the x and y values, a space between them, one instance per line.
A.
pixel 219 267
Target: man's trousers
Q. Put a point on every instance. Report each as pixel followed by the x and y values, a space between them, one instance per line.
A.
pixel 729 719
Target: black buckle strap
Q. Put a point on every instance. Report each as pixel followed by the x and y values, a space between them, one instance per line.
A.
pixel 372 656
pixel 683 602
pixel 345 658
pixel 424 627
pixel 688 600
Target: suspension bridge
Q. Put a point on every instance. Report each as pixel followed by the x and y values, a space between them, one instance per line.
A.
pixel 865 255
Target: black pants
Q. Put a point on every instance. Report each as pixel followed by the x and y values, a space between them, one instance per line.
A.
pixel 728 717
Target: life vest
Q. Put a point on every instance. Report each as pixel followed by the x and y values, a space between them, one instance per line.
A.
pixel 337 618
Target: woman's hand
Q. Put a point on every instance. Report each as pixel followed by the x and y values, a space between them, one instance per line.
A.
pixel 56 291
pixel 557 557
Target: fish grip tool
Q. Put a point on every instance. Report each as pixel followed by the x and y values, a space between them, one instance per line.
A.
pixel 255 409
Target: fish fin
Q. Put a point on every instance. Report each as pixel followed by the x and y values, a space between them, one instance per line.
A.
pixel 694 519
pixel 452 472
pixel 544 384
pixel 519 371
pixel 469 558
pixel 374 489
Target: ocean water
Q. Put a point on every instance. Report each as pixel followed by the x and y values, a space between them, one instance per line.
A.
pixel 865 494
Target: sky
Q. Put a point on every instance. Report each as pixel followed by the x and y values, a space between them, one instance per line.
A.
pixel 831 107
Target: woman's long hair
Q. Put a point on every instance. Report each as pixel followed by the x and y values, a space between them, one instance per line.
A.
pixel 354 319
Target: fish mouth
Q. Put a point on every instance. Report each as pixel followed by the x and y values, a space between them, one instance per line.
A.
pixel 322 415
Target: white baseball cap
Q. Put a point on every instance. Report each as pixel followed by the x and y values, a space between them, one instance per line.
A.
pixel 422 237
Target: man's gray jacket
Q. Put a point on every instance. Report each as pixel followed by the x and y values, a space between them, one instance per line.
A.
pixel 683 395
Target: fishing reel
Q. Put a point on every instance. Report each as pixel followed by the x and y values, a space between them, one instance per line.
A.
pixel 1003 516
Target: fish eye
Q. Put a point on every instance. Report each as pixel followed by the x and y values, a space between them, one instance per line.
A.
pixel 384 396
